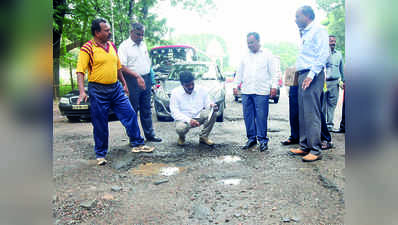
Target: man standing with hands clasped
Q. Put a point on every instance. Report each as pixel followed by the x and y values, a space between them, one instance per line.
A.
pixel 310 64
pixel 258 78
pixel 136 67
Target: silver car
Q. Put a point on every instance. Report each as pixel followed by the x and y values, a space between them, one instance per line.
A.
pixel 207 75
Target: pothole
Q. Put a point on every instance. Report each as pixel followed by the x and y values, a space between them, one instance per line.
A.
pixel 232 181
pixel 227 159
pixel 151 169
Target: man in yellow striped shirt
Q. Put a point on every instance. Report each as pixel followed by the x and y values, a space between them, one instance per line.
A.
pixel 99 58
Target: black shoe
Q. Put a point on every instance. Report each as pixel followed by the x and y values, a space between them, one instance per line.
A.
pixel 249 144
pixel 326 145
pixel 154 139
pixel 263 147
pixel 340 131
pixel 290 141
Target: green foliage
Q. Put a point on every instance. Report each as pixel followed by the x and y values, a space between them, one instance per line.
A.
pixel 335 22
pixel 79 13
pixel 202 41
pixel 286 51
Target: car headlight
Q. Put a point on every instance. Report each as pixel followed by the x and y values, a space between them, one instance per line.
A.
pixel 64 100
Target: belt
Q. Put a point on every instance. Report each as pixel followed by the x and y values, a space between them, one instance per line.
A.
pixel 331 79
pixel 302 71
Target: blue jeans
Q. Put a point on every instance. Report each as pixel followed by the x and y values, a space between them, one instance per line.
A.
pixel 105 97
pixel 255 114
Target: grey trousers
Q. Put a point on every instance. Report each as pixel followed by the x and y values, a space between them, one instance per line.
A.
pixel 310 113
pixel 330 101
pixel 182 127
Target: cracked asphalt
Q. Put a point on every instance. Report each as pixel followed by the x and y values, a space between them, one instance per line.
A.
pixel 196 184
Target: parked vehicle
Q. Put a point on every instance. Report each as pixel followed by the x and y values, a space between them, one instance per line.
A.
pixel 163 57
pixel 207 75
pixel 275 99
pixel 68 107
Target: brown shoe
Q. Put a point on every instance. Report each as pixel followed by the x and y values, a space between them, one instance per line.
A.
pixel 206 141
pixel 181 141
pixel 311 158
pixel 297 152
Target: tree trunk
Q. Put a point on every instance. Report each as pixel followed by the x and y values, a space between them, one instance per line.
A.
pixel 60 7
pixel 71 76
pixel 131 7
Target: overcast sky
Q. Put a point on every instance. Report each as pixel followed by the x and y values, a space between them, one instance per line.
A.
pixel 233 19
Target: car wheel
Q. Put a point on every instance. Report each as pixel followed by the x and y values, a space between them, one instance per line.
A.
pixel 73 119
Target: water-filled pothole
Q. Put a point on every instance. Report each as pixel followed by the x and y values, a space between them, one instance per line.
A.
pixel 150 169
pixel 227 159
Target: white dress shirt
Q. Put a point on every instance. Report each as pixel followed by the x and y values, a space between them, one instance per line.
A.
pixel 257 73
pixel 314 50
pixel 184 107
pixel 134 57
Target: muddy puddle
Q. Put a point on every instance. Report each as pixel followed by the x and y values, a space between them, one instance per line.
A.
pixel 151 169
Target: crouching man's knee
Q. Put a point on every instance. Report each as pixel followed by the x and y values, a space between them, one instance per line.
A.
pixel 181 128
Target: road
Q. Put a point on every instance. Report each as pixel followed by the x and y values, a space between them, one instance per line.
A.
pixel 196 184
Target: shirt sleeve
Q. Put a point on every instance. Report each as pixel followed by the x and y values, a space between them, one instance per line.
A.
pixel 341 68
pixel 239 74
pixel 274 69
pixel 82 62
pixel 323 53
pixel 122 52
pixel 175 110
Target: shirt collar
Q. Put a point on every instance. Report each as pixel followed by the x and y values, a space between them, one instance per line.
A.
pixel 133 43
pixel 260 50
pixel 307 28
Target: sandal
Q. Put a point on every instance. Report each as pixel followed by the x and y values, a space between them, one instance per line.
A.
pixel 142 148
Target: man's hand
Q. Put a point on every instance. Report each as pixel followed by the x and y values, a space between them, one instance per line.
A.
pixel 82 97
pixel 215 107
pixel 194 123
pixel 272 92
pixel 235 91
pixel 306 83
pixel 126 90
pixel 141 82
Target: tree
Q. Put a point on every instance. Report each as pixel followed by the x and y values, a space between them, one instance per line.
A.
pixel 286 51
pixel 203 42
pixel 335 21
pixel 72 18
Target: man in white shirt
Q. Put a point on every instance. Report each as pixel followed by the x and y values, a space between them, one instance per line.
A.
pixel 191 107
pixel 135 61
pixel 258 76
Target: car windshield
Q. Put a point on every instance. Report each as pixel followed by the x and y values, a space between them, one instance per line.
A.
pixel 200 71
pixel 169 56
